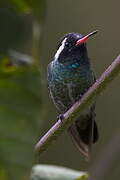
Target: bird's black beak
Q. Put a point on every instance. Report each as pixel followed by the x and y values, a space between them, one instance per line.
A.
pixel 85 38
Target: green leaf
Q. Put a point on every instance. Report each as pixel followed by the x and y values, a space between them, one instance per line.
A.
pixel 84 177
pixel 27 6
pixel 21 5
pixel 50 172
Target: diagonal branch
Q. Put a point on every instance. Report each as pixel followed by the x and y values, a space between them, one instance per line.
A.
pixel 70 116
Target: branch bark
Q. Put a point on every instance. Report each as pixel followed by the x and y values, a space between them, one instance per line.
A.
pixel 69 117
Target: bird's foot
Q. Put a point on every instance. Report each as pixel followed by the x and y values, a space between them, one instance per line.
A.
pixel 80 96
pixel 60 117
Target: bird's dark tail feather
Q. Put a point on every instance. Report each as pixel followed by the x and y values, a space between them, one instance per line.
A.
pixel 84 136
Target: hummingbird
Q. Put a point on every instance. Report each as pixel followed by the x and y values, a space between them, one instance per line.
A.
pixel 70 75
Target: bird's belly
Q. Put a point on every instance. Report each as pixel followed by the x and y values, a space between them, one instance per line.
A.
pixel 65 94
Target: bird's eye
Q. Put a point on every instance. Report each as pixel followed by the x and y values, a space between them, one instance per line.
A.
pixel 67 44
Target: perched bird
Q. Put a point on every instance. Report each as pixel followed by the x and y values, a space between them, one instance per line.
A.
pixel 69 76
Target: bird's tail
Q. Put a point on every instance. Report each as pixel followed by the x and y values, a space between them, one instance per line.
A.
pixel 84 133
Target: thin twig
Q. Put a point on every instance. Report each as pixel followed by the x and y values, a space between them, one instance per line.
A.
pixel 71 115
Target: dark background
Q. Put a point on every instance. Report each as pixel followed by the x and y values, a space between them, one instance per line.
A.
pixel 35 31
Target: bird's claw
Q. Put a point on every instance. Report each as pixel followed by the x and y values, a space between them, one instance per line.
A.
pixel 60 117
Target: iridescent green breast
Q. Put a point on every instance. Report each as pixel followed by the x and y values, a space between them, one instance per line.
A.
pixel 68 82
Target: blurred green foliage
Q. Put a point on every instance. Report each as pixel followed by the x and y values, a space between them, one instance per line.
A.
pixel 19 116
pixel 37 7
pixel 20 87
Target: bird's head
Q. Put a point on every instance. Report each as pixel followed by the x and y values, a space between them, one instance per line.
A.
pixel 72 46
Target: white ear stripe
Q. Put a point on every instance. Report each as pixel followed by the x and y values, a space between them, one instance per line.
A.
pixel 60 49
